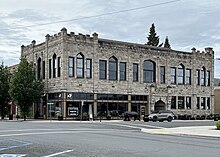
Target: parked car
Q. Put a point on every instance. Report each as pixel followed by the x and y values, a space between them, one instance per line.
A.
pixel 216 117
pixel 160 116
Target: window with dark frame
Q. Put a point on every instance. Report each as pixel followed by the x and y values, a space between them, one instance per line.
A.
pixel 208 103
pixel 188 102
pixel 122 71
pixel 181 102
pixel 180 74
pixel 71 66
pixel 188 76
pixel 58 66
pixel 162 74
pixel 39 68
pixel 43 70
pixel 208 78
pixel 80 66
pixel 135 72
pixel 197 77
pixel 113 70
pixel 203 103
pixel 102 69
pixel 173 102
pixel 198 103
pixel 50 68
pixel 202 77
pixel 173 75
pixel 149 71
pixel 54 65
pixel 88 68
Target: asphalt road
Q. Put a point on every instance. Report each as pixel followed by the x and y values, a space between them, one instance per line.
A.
pixel 105 139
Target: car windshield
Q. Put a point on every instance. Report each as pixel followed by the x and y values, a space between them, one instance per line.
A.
pixel 154 111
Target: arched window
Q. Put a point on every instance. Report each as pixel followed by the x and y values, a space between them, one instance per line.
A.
pixel 180 74
pixel 113 70
pixel 202 76
pixel 39 68
pixel 80 65
pixel 149 71
pixel 54 65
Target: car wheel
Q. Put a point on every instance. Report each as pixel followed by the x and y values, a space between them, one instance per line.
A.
pixel 154 118
pixel 169 119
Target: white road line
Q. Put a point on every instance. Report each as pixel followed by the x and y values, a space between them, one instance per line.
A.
pixel 59 153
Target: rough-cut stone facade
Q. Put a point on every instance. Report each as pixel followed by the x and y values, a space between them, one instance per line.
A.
pixel 65 45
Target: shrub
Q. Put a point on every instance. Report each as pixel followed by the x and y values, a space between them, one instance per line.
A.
pixel 218 125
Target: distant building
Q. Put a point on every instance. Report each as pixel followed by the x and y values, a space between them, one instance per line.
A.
pixel 112 77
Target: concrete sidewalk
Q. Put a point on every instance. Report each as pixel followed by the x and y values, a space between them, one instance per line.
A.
pixel 202 131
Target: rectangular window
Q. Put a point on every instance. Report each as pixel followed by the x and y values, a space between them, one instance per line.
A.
pixel 71 66
pixel 43 69
pixel 181 102
pixel 188 76
pixel 188 102
pixel 122 71
pixel 173 102
pixel 88 68
pixel 208 104
pixel 198 103
pixel 173 75
pixel 54 67
pixel 203 103
pixel 58 67
pixel 197 77
pixel 162 74
pixel 135 72
pixel 50 68
pixel 102 69
pixel 208 78
pixel 202 76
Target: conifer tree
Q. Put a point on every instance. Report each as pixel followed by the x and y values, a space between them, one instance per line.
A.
pixel 153 39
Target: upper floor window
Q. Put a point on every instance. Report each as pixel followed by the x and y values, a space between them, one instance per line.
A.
pixel 188 76
pixel 50 68
pixel 122 71
pixel 113 70
pixel 88 68
pixel 71 66
pixel 162 74
pixel 173 75
pixel 39 68
pixel 102 69
pixel 149 71
pixel 197 77
pixel 54 65
pixel 208 78
pixel 80 66
pixel 180 74
pixel 135 72
pixel 43 67
pixel 202 78
pixel 58 66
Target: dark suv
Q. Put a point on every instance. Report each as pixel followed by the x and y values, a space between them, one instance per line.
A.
pixel 160 115
pixel 216 117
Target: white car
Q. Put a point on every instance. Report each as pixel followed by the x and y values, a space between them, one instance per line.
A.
pixel 161 115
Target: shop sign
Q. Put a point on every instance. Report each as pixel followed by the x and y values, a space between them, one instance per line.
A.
pixel 73 111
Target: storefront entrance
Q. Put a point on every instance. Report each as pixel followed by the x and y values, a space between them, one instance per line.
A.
pixel 159 105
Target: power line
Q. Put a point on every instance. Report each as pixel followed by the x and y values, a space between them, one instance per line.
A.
pixel 105 14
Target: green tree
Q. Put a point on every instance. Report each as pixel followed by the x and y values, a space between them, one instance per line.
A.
pixel 153 39
pixel 167 44
pixel 4 91
pixel 24 88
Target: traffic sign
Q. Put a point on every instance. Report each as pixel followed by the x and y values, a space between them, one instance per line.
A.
pixel 50 103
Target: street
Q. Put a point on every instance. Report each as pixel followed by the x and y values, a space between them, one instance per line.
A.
pixel 100 139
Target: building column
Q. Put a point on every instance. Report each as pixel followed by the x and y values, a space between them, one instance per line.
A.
pixel 95 105
pixel 129 103
pixel 64 105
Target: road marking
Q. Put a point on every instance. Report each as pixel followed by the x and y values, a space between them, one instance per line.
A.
pixel 12 155
pixel 59 153
pixel 16 146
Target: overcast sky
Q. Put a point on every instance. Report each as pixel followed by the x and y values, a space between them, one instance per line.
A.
pixel 187 23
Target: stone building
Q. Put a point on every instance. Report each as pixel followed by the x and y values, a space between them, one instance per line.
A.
pixel 86 74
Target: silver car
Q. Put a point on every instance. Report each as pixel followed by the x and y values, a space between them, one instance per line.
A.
pixel 161 115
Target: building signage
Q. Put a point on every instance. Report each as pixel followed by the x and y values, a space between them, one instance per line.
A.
pixel 73 111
